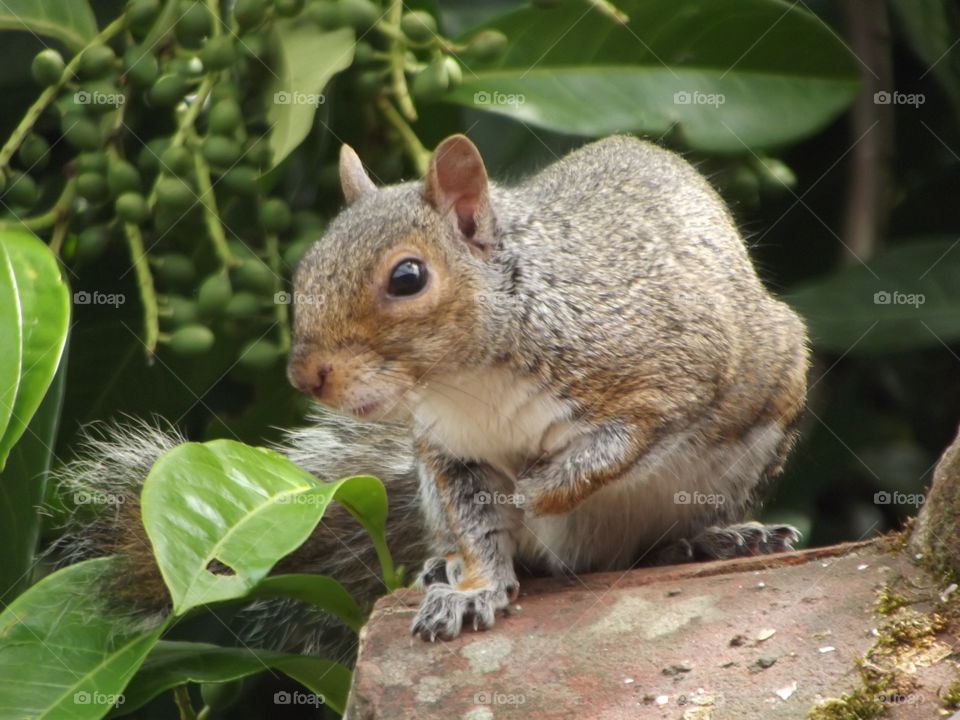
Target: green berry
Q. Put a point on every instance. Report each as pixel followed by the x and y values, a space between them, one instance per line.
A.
pixel 91 243
pixel 241 306
pixel 191 340
pixel 249 12
pixel 122 177
pixel 325 13
pixel 431 82
pixel 47 67
pixel 288 8
pixel 360 14
pixel 90 162
pixel 240 180
pixel 223 91
pixel 131 207
pixel 252 45
pixel 295 251
pixel 454 73
pixel 149 158
pixel 225 117
pixel 174 270
pixel 21 190
pixel 168 90
pixel 99 97
pixel 214 294
pixel 174 194
pixel 194 22
pixel 218 53
pixel 258 355
pixel 176 160
pixel 363 53
pixel 93 187
pixel 221 151
pixel 255 276
pixel 141 15
pixel 182 311
pixel 96 61
pixel 275 215
pixel 34 153
pixel 81 131
pixel 487 45
pixel 140 67
pixel 418 25
pixel 258 153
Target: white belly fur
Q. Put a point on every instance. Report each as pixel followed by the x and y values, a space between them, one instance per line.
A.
pixel 496 417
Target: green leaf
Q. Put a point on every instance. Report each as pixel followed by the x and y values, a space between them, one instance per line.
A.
pixel 306 62
pixel 43 302
pixel 932 27
pixel 22 487
pixel 11 339
pixel 243 507
pixel 71 21
pixel 905 298
pixel 173 663
pixel 320 590
pixel 62 653
pixel 727 74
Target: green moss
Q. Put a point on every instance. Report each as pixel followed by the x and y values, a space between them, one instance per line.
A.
pixel 951 698
pixel 888 601
pixel 862 704
pixel 909 627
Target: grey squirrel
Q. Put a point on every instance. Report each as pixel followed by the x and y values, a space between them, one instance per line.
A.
pixel 579 372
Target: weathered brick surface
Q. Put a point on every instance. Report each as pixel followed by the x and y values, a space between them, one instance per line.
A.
pixel 756 638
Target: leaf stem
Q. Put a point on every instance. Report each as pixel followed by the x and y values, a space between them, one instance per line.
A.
pixel 411 143
pixel 211 215
pixel 50 218
pixel 148 294
pixel 181 695
pixel 610 10
pixel 397 50
pixel 49 95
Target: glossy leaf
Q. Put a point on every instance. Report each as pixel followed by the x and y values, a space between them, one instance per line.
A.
pixel 173 663
pixel 727 74
pixel 43 302
pixel 62 653
pixel 905 298
pixel 320 590
pixel 71 21
pixel 221 514
pixel 11 339
pixel 307 61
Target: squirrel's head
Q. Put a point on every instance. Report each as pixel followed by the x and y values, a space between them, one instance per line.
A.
pixel 390 296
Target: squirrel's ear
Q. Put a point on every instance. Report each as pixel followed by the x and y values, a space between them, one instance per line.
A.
pixel 353 178
pixel 457 180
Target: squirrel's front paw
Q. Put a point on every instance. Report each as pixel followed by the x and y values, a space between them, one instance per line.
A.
pixel 445 609
pixel 440 569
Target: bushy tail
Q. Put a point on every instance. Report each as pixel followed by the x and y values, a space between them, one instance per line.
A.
pixel 114 459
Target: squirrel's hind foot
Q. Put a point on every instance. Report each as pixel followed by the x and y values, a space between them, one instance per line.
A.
pixel 732 541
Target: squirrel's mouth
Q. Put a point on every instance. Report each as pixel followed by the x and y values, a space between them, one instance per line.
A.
pixel 366 410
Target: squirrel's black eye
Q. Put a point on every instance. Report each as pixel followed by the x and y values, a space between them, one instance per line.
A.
pixel 408 278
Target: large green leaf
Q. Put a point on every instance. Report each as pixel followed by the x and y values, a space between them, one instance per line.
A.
pixel 932 27
pixel 71 21
pixel 173 663
pixel 905 298
pixel 306 62
pixel 62 653
pixel 223 503
pixel 44 307
pixel 744 68
pixel 22 487
pixel 320 590
pixel 11 339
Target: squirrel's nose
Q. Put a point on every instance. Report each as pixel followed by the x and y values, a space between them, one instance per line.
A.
pixel 320 380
